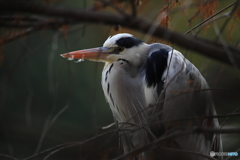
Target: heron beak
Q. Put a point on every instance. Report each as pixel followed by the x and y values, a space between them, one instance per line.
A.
pixel 96 54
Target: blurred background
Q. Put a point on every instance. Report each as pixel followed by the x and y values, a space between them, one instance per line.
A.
pixel 47 100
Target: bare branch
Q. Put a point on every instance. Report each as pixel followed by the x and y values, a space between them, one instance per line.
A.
pixel 176 134
pixel 214 15
pixel 208 48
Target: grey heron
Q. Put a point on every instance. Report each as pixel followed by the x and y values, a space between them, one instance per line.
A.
pixel 151 90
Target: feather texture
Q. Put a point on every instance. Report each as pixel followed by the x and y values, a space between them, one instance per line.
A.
pixel 159 84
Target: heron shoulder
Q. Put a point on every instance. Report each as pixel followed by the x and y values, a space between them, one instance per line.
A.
pixel 158 46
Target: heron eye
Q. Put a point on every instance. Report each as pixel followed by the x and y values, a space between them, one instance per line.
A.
pixel 120 49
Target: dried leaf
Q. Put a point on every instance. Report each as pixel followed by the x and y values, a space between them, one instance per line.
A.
pixel 205 9
pixel 232 26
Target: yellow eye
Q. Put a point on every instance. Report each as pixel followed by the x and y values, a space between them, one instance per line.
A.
pixel 120 49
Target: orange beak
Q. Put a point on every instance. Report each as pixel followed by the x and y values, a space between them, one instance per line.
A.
pixel 96 54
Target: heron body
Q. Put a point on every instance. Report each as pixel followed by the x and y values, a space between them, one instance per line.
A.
pixel 151 90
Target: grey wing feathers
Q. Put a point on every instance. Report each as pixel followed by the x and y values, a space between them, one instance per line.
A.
pixel 186 94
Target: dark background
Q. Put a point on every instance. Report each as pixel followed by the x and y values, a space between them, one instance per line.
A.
pixel 48 100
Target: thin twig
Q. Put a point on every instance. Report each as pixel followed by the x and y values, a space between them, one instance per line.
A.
pixel 207 19
pixel 134 9
pixel 228 20
pixel 7 156
pixel 110 3
pixel 49 150
pixel 9 38
pixel 177 134
pixel 108 126
pixel 211 21
pixel 188 152
pixel 230 115
pixel 80 143
pixel 152 144
pixel 226 49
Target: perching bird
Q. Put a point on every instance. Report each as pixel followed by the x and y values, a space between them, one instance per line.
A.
pixel 154 92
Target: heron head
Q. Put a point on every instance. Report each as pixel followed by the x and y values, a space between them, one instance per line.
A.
pixel 119 46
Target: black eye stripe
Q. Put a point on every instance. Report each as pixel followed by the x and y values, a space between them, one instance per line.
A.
pixel 128 42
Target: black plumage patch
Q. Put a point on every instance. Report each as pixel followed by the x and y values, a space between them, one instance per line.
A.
pixel 106 76
pixel 108 88
pixel 111 99
pixel 124 60
pixel 110 68
pixel 155 67
pixel 128 42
